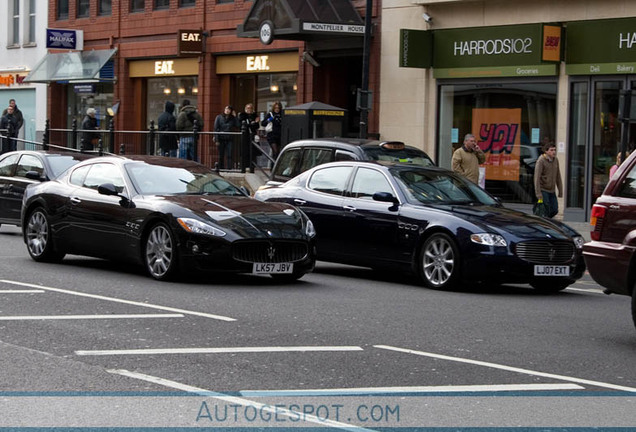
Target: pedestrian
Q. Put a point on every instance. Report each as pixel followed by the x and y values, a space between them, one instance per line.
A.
pixel 273 126
pixel 249 119
pixel 167 122
pixel 547 179
pixel 9 122
pixel 188 114
pixel 17 113
pixel 224 123
pixel 614 167
pixel 467 158
pixel 90 139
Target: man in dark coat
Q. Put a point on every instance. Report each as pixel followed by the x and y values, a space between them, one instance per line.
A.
pixel 9 122
pixel 168 122
pixel 225 122
pixel 90 139
pixel 249 119
pixel 16 113
pixel 185 122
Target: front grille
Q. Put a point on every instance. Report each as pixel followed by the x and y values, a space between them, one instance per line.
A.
pixel 546 252
pixel 264 251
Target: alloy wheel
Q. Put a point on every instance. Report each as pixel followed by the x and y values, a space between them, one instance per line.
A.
pixel 438 261
pixel 159 252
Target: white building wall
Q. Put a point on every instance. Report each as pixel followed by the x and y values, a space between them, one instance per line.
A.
pixel 21 58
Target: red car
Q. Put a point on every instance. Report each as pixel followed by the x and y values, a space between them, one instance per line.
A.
pixel 610 256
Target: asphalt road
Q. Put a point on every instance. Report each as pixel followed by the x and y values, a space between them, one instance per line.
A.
pixel 91 343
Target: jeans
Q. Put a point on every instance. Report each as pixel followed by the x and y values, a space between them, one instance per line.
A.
pixel 186 148
pixel 225 154
pixel 550 201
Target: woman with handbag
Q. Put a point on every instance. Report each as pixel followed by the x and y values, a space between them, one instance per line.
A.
pixel 272 125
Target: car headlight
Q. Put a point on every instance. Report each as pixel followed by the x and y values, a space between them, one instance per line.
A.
pixel 197 227
pixel 309 229
pixel 488 239
pixel 578 241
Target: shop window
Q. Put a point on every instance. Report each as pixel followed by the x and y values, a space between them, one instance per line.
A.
pixel 175 90
pixel 187 3
pixel 105 7
pixel 62 9
pixel 137 5
pixel 275 87
pixel 162 4
pixel 511 122
pixel 83 8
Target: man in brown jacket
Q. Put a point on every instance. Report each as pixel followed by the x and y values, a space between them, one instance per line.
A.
pixel 467 158
pixel 547 178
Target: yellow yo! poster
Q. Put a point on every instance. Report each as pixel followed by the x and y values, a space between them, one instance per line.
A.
pixel 498 133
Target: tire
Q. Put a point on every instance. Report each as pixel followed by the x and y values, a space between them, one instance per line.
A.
pixel 39 239
pixel 549 286
pixel 160 253
pixel 439 261
pixel 634 306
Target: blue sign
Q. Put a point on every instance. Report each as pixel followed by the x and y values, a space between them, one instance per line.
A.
pixel 64 39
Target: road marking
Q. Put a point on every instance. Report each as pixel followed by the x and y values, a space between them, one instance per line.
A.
pixel 129 302
pixel 237 400
pixel 21 291
pixel 508 368
pixel 414 389
pixel 87 317
pixel 586 290
pixel 228 350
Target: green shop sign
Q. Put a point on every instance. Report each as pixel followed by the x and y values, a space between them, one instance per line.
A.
pixel 500 51
pixel 601 47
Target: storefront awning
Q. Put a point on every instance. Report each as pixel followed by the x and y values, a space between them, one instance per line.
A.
pixel 74 66
pixel 307 20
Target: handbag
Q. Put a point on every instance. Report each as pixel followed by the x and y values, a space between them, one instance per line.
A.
pixel 270 127
pixel 540 209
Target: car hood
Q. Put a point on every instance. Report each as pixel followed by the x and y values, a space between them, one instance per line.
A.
pixel 245 216
pixel 512 222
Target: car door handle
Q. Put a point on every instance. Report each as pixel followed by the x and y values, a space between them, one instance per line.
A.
pixel 299 201
pixel 350 208
pixel 75 200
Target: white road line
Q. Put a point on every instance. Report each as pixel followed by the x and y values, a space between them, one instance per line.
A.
pixel 87 317
pixel 21 291
pixel 414 389
pixel 228 350
pixel 129 302
pixel 236 400
pixel 508 368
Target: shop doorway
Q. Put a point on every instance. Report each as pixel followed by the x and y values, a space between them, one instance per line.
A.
pixel 595 139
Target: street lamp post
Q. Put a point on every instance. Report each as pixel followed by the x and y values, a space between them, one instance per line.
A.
pixel 363 93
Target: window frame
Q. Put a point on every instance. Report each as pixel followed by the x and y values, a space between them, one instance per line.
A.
pixel 58 12
pixel 101 8
pixel 134 8
pixel 79 11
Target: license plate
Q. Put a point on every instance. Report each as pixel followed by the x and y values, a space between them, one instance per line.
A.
pixel 551 270
pixel 272 268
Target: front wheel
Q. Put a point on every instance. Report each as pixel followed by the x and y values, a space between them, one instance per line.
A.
pixel 160 253
pixel 549 287
pixel 39 239
pixel 439 262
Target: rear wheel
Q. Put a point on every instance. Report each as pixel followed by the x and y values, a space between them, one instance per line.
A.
pixel 549 286
pixel 439 262
pixel 39 239
pixel 160 254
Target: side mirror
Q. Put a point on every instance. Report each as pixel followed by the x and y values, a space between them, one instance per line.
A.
pixel 107 189
pixel 34 175
pixel 385 197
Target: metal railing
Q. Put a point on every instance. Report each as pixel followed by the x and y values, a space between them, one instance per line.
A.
pixel 245 153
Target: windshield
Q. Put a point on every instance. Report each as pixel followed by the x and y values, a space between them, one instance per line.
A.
pixel 405 155
pixel 162 180
pixel 435 187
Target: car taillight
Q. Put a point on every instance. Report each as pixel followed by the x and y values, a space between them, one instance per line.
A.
pixel 598 216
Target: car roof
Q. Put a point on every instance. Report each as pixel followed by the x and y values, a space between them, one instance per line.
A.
pixel 383 164
pixel 339 142
pixel 153 160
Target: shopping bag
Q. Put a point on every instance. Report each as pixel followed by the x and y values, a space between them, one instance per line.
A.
pixel 540 209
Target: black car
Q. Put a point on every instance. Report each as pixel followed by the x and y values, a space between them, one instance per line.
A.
pixel 299 156
pixel 18 169
pixel 171 215
pixel 431 221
